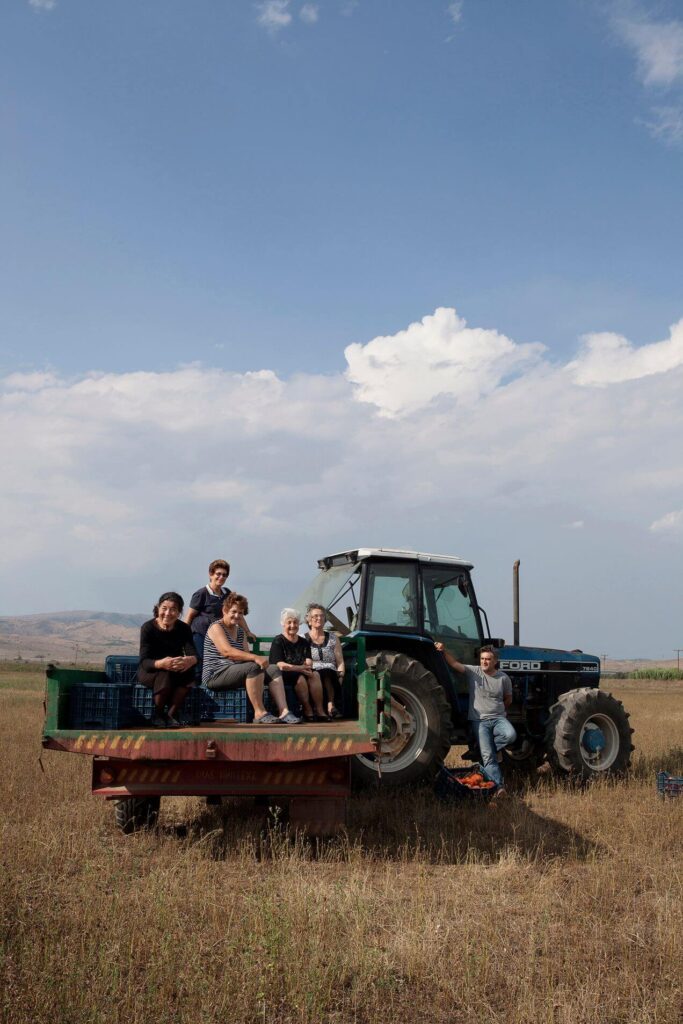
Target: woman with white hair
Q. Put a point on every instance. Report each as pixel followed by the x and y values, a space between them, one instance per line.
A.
pixel 292 655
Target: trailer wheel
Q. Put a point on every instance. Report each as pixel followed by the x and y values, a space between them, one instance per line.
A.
pixel 420 726
pixel 588 734
pixel 133 813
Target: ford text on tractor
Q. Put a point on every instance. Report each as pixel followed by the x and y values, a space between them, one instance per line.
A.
pixel 397 604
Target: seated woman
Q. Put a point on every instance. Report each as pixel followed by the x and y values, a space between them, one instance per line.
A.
pixel 328 660
pixel 167 659
pixel 292 656
pixel 228 664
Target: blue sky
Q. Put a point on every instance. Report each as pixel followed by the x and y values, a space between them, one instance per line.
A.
pixel 201 191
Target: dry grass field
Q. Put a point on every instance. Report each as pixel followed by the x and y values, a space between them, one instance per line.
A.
pixel 562 906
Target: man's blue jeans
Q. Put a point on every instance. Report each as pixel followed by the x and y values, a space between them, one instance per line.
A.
pixel 493 734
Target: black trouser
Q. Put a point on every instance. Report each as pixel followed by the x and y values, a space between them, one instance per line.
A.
pixel 329 675
pixel 161 681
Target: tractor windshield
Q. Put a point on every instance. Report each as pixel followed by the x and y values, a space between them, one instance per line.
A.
pixel 336 589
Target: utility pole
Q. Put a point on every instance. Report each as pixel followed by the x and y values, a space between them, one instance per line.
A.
pixel 678 656
pixel 604 662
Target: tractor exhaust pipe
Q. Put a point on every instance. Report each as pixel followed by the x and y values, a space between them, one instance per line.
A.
pixel 515 602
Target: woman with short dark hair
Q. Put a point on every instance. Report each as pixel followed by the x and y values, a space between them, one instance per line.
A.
pixel 167 659
pixel 206 607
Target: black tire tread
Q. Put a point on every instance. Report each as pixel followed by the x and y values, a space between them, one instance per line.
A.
pixel 134 813
pixel 415 676
pixel 564 726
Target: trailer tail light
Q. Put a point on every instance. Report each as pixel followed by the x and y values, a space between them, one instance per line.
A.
pixel 106 776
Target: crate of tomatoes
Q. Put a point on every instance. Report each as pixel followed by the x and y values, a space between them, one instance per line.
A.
pixel 464 784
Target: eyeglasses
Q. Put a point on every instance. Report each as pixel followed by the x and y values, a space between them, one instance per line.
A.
pixel 221 573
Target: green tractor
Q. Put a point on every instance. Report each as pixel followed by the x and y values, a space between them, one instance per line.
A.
pixel 401 602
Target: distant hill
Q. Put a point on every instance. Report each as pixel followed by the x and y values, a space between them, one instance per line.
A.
pixel 68 637
pixel 76 637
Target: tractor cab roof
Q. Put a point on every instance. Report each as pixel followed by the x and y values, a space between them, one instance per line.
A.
pixel 353 556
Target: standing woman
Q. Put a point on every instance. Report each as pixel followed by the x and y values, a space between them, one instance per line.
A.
pixel 328 660
pixel 167 659
pixel 206 607
pixel 292 655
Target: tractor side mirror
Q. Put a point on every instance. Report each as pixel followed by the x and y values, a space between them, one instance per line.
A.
pixel 496 641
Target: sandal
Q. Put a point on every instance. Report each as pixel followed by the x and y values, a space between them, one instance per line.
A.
pixel 334 713
pixel 266 719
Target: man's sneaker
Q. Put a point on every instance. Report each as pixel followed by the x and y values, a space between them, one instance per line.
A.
pixel 172 722
pixel 289 719
pixel 266 719
pixel 500 794
pixel 159 720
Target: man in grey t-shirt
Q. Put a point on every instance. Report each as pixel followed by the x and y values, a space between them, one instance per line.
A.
pixel 490 697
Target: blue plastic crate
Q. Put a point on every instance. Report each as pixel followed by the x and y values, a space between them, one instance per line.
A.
pixel 142 700
pixel 669 785
pixel 121 668
pixel 192 709
pixel 191 712
pixel 231 704
pixel 101 706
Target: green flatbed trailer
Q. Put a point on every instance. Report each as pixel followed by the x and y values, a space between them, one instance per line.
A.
pixel 307 766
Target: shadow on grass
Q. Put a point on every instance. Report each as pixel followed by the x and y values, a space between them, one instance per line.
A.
pixel 410 826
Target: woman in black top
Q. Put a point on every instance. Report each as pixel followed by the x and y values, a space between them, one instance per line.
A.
pixel 292 655
pixel 167 659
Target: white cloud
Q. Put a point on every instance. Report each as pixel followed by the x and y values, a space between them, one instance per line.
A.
pixel 349 7
pixel 441 437
pixel 440 355
pixel 309 13
pixel 274 14
pixel 43 5
pixel 672 522
pixel 658 46
pixel 666 124
pixel 454 11
pixel 28 381
pixel 610 358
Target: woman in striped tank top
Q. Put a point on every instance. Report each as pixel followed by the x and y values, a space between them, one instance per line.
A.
pixel 228 664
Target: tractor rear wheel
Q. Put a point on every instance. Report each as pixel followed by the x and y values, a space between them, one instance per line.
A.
pixel 588 734
pixel 133 813
pixel 420 726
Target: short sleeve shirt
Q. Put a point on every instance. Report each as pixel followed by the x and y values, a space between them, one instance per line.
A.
pixel 295 653
pixel 486 693
pixel 209 608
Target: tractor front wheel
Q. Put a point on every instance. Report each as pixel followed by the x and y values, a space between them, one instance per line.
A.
pixel 420 726
pixel 588 734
